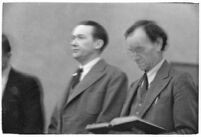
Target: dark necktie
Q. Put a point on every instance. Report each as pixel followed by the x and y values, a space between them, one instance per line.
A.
pixel 144 85
pixel 76 77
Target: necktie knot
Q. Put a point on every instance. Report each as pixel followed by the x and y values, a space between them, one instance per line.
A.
pixel 79 71
pixel 144 86
pixel 145 81
pixel 76 77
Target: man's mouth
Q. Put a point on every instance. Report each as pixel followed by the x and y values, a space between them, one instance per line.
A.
pixel 75 50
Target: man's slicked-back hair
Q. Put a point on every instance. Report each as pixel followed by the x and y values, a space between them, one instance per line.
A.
pixel 5 44
pixel 152 30
pixel 99 32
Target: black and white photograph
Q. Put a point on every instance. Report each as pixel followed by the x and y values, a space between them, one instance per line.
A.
pixel 103 67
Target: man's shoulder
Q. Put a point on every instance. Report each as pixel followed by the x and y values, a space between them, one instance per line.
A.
pixel 114 70
pixel 179 75
pixel 22 77
pixel 134 83
pixel 24 82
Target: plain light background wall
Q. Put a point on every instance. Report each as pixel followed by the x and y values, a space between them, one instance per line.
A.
pixel 40 34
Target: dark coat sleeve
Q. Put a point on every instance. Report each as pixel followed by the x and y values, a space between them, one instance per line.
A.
pixel 33 121
pixel 53 127
pixel 185 109
pixel 114 98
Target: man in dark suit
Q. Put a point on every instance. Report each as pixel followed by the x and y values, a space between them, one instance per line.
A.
pixel 163 96
pixel 21 99
pixel 101 91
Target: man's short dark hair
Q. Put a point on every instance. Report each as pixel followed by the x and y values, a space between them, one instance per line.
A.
pixel 5 44
pixel 152 30
pixel 99 32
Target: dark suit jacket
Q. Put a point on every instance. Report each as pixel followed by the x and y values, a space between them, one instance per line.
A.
pixel 99 97
pixel 171 101
pixel 21 105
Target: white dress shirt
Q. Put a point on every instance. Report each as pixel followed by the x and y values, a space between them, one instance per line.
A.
pixel 87 67
pixel 152 73
pixel 5 74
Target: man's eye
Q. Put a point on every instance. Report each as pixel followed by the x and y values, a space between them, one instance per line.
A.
pixel 131 49
pixel 80 37
pixel 139 49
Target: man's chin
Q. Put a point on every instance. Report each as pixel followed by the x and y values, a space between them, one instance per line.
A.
pixel 142 67
pixel 75 56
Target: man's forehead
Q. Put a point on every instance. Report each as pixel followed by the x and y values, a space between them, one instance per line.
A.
pixel 82 30
pixel 138 35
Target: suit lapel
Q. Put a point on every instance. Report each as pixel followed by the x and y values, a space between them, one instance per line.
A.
pixel 161 80
pixel 66 94
pixel 94 74
pixel 131 95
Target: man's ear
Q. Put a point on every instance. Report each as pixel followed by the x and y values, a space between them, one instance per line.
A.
pixel 159 44
pixel 99 44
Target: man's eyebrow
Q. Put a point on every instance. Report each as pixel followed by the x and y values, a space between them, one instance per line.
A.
pixel 79 35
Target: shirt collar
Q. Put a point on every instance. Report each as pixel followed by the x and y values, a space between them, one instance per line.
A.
pixel 5 75
pixel 87 67
pixel 90 64
pixel 152 73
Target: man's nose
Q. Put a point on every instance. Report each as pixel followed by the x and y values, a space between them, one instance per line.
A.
pixel 137 57
pixel 73 42
pixel 132 53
